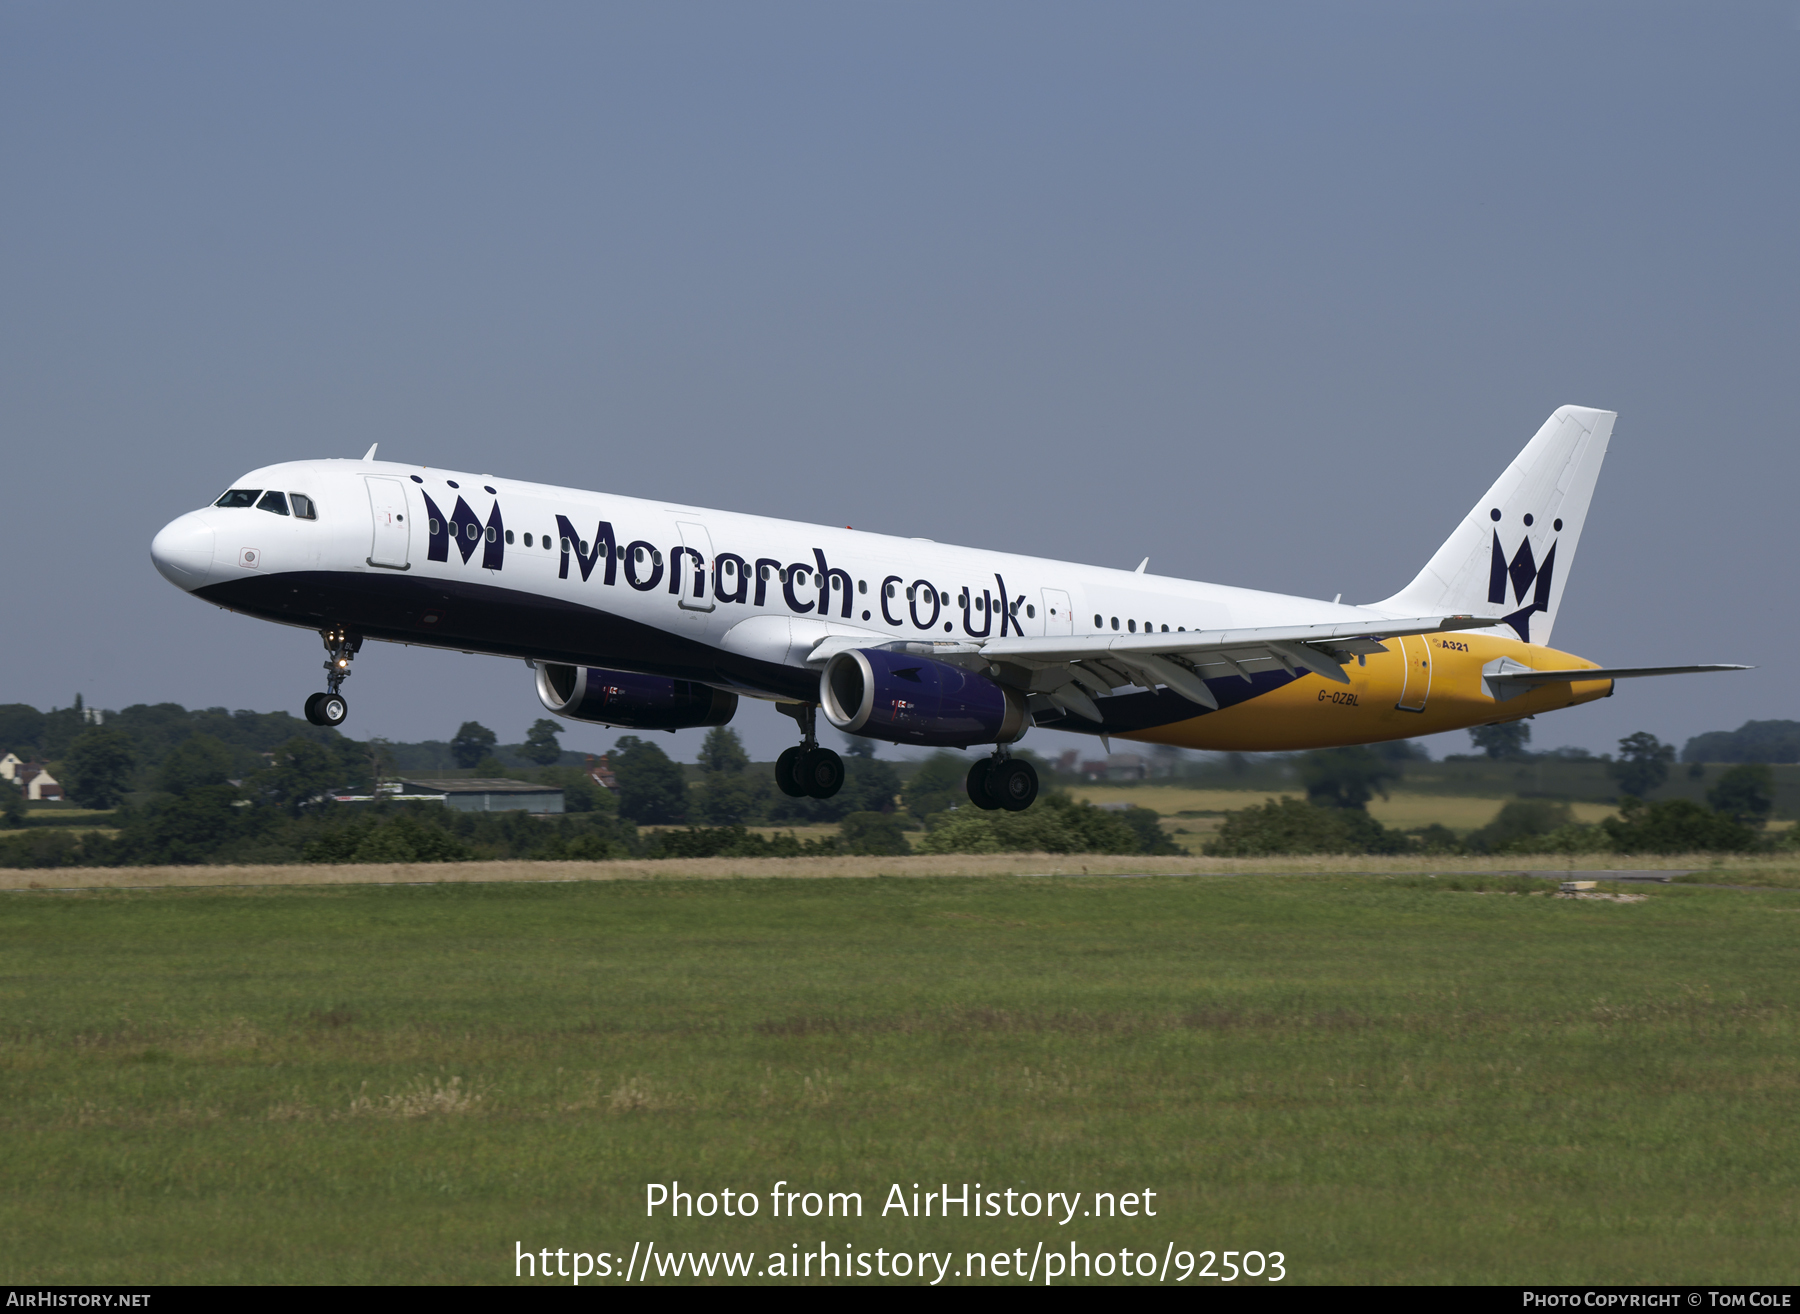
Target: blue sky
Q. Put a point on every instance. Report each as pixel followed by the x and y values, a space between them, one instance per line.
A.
pixel 1269 293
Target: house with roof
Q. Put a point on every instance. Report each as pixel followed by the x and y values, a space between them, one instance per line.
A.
pixel 33 777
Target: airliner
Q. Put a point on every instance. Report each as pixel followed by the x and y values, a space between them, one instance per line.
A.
pixel 648 614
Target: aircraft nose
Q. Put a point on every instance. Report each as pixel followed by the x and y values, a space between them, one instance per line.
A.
pixel 183 551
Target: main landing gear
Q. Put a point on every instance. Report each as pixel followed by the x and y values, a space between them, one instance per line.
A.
pixel 807 770
pixel 329 708
pixel 1001 781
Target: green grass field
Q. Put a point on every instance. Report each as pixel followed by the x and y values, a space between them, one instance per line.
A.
pixel 1385 1079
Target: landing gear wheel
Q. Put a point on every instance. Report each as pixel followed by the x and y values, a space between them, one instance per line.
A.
pixel 341 647
pixel 1013 784
pixel 821 772
pixel 332 709
pixel 977 784
pixel 787 772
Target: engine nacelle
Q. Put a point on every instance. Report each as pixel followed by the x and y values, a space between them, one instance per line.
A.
pixel 636 702
pixel 918 700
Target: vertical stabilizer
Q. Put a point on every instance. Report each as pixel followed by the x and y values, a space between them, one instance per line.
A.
pixel 1511 555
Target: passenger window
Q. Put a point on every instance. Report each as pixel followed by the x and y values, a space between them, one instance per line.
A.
pixel 239 497
pixel 303 506
pixel 509 536
pixel 527 540
pixel 273 501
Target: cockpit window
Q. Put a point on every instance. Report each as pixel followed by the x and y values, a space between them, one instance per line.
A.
pixel 273 501
pixel 240 497
pixel 303 506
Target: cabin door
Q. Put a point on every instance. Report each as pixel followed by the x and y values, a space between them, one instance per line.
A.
pixel 1415 680
pixel 692 560
pixel 387 503
pixel 1058 617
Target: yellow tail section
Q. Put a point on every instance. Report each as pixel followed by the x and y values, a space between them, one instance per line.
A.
pixel 1422 685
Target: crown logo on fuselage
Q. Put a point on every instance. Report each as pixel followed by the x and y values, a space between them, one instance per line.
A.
pixel 464 529
pixel 1525 575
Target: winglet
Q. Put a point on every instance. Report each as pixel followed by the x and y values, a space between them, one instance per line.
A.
pixel 1141 565
pixel 370 454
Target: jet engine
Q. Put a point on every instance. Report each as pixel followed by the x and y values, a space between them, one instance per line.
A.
pixel 918 700
pixel 636 702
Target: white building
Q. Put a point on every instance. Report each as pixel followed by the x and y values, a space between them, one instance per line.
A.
pixel 33 777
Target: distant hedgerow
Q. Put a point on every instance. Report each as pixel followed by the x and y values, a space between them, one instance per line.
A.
pixel 1294 826
pixel 1054 824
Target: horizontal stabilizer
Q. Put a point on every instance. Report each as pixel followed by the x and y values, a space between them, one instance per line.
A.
pixel 1506 679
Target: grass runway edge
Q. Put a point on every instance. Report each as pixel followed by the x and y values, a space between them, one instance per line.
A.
pixel 837 866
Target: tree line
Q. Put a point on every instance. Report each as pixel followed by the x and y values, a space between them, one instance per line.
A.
pixel 214 795
pixel 1340 782
pixel 217 786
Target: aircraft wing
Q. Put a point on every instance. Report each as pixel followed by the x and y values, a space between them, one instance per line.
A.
pixel 1071 671
pixel 1082 648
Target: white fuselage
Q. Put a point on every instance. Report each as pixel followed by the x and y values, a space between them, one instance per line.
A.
pixel 897 588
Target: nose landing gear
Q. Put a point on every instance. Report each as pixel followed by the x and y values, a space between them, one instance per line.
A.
pixel 807 770
pixel 1002 781
pixel 329 708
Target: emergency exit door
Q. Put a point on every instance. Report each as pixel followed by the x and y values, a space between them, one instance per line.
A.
pixel 1415 682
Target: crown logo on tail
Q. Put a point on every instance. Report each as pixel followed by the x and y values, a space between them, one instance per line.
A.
pixel 1525 575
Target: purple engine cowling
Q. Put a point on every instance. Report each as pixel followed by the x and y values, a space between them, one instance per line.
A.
pixel 918 700
pixel 636 702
